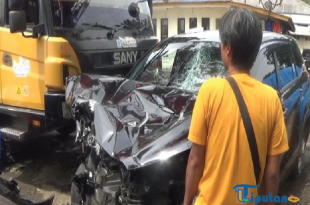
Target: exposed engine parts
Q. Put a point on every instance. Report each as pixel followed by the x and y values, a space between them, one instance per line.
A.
pixel 106 181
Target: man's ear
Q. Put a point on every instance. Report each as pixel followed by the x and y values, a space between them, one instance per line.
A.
pixel 228 50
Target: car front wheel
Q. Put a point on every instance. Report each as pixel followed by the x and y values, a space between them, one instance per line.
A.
pixel 297 170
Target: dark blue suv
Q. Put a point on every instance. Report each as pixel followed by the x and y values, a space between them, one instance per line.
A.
pixel 280 65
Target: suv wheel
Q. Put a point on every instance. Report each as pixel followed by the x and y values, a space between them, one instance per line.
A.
pixel 297 170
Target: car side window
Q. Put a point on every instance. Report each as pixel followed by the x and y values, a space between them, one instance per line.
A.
pixel 32 10
pixel 264 68
pixel 286 70
pixel 297 58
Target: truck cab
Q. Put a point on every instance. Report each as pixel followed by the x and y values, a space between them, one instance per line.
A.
pixel 42 42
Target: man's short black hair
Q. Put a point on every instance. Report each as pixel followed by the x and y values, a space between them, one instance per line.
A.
pixel 242 30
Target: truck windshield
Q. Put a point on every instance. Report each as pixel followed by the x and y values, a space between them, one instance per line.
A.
pixel 183 64
pixel 96 14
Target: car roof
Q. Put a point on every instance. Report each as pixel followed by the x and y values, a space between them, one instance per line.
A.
pixel 213 35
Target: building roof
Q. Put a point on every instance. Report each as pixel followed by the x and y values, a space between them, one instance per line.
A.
pixel 287 6
pixel 286 20
pixel 213 35
pixel 299 19
pixel 161 1
pixel 301 31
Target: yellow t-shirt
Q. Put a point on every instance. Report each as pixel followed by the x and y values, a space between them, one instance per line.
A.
pixel 217 124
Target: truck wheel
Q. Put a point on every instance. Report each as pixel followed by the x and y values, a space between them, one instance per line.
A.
pixel 297 170
pixel 67 130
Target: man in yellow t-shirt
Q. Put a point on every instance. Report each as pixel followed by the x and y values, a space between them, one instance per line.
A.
pixel 220 157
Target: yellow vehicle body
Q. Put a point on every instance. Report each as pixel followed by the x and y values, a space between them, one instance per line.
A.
pixel 41 44
pixel 36 67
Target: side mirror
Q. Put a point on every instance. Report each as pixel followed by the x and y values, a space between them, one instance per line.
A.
pixel 134 10
pixel 17 20
pixel 17 16
pixel 16 4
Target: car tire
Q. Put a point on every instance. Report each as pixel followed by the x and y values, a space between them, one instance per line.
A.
pixel 297 170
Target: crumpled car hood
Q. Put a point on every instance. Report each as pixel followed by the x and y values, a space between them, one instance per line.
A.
pixel 137 123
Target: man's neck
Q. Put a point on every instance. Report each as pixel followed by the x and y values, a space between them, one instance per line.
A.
pixel 234 70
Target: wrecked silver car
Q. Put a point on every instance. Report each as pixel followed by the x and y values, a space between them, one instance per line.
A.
pixel 133 131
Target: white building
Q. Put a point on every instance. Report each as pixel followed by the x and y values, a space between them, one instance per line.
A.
pixel 171 17
pixel 302 29
pixel 178 16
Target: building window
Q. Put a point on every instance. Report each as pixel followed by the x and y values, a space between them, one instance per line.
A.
pixel 218 23
pixel 164 28
pixel 181 25
pixel 205 23
pixel 192 23
pixel 155 26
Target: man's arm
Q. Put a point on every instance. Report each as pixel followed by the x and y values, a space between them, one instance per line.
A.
pixel 278 144
pixel 271 176
pixel 194 172
pixel 198 132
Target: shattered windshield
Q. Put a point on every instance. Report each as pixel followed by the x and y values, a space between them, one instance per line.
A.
pixel 97 14
pixel 183 64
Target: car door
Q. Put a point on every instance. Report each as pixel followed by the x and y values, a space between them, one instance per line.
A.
pixel 301 72
pixel 290 86
pixel 22 70
pixel 266 69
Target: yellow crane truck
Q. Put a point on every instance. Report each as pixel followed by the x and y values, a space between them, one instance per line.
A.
pixel 44 41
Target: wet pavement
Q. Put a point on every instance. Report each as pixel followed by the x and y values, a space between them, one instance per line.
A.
pixel 301 187
pixel 45 167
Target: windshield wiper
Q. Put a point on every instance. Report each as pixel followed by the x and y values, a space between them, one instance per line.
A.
pixel 76 33
pixel 96 25
pixel 129 25
pixel 139 30
pixel 111 33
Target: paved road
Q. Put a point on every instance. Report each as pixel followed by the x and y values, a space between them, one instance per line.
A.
pixel 44 168
pixel 300 187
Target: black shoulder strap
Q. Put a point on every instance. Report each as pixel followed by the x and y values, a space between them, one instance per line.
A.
pixel 248 126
